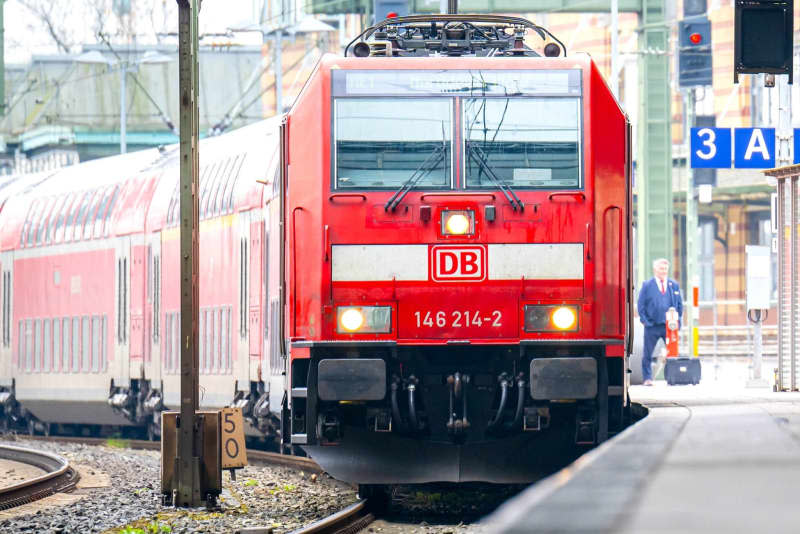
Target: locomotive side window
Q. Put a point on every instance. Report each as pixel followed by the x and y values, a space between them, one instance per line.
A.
pixel 526 142
pixel 379 148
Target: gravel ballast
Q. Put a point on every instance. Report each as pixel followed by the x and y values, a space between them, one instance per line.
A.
pixel 262 496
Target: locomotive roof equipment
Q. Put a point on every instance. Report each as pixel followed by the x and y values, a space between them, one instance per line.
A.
pixel 453 35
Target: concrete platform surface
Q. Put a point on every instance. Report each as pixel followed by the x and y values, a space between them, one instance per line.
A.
pixel 712 458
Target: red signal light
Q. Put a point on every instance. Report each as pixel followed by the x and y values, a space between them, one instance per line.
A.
pixel 391 15
pixel 696 38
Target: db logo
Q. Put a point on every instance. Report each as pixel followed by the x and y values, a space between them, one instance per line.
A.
pixel 458 263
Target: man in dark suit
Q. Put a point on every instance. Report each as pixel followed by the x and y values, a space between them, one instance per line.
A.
pixel 657 295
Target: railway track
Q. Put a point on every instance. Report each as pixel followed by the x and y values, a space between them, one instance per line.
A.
pixel 352 519
pixel 253 455
pixel 59 476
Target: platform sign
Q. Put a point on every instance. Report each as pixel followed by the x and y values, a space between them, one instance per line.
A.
pixel 711 148
pixel 754 148
pixel 234 454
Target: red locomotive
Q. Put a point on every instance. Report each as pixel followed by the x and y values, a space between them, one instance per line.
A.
pixel 421 274
pixel 458 267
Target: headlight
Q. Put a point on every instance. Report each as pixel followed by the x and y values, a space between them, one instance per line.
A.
pixel 551 318
pixel 364 319
pixel 461 222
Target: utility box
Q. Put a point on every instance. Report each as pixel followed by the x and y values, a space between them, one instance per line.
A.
pixel 759 277
pixel 208 447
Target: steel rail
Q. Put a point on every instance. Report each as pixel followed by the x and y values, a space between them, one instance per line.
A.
pixel 59 476
pixel 255 455
pixel 350 520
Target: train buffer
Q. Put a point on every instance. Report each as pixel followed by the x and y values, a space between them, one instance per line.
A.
pixel 707 459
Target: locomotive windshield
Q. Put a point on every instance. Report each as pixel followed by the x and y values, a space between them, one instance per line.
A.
pixel 518 129
pixel 382 142
pixel 527 142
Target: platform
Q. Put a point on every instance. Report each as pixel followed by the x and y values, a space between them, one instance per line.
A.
pixel 712 458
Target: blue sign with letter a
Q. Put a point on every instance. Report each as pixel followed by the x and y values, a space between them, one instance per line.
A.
pixel 754 148
pixel 711 148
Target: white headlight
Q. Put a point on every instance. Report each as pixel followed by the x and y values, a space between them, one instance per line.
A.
pixel 351 319
pixel 457 222
pixel 364 319
pixel 563 318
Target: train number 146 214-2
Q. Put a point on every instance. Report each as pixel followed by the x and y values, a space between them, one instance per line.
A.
pixel 458 318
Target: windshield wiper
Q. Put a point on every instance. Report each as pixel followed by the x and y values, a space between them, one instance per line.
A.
pixel 480 157
pixel 424 168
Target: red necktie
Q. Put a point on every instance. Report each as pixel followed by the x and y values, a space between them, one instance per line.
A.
pixel 661 286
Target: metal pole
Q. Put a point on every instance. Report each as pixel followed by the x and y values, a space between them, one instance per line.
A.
pixel 615 48
pixel 784 156
pixel 188 461
pixel 452 7
pixel 757 348
pixel 781 280
pixel 793 283
pixel 123 111
pixel 692 313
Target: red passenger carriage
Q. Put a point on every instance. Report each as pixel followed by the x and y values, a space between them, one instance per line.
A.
pixel 458 215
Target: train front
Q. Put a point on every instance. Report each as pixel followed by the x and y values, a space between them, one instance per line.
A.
pixel 456 268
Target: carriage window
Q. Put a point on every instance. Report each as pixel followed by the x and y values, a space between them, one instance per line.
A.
pixel 97 229
pixel 65 352
pixel 58 233
pixel 76 344
pixel 93 209
pixel 56 344
pixel 524 142
pixel 104 344
pixel 96 338
pixel 110 209
pixel 47 346
pixel 41 228
pixel 37 344
pixel 77 219
pixel 56 212
pixel 85 343
pixel 377 148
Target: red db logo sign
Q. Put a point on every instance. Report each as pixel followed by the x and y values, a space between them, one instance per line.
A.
pixel 458 263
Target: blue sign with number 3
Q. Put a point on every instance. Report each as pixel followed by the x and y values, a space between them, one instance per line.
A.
pixel 711 148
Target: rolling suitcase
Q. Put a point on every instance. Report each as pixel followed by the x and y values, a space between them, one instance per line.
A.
pixel 678 370
pixel 682 371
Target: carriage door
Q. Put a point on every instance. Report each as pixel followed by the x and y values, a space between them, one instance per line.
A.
pixel 120 367
pixel 7 332
pixel 153 311
pixel 242 364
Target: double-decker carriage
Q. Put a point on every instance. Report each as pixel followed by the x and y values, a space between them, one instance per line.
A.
pixel 457 271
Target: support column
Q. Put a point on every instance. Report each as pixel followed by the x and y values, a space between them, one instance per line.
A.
pixel 654 158
pixel 188 460
pixel 692 313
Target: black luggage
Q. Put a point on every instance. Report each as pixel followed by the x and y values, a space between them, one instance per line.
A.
pixel 681 371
